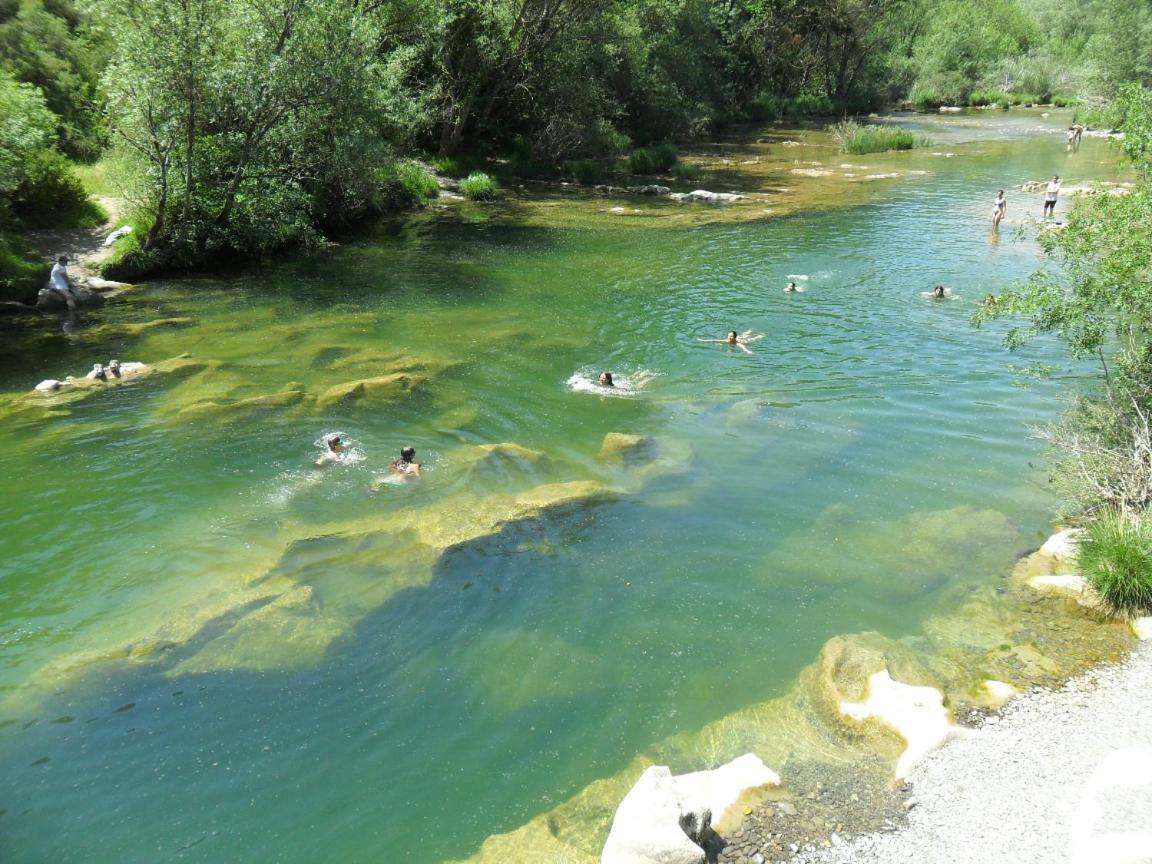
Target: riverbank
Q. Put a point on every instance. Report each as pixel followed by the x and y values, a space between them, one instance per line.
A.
pixel 1059 775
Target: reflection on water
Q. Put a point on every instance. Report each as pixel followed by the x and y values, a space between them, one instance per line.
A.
pixel 263 661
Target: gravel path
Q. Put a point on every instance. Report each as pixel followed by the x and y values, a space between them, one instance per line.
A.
pixel 1064 777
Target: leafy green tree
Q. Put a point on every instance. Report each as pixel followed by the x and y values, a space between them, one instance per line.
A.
pixel 26 127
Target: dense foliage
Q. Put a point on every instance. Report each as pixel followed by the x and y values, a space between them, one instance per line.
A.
pixel 244 125
pixel 857 139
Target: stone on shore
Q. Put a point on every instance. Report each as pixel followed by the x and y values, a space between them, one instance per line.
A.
pixel 1063 545
pixel 705 197
pixel 665 818
pixel 916 713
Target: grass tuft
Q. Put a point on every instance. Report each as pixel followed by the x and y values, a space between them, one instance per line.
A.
pixel 858 139
pixel 1116 559
pixel 479 187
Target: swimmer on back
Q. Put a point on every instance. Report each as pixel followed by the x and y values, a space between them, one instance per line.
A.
pixel 739 340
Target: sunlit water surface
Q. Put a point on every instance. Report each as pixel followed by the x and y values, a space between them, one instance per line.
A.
pixel 530 662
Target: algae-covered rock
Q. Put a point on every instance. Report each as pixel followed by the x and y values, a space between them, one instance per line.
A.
pixel 227 411
pixel 372 392
pixel 627 449
pixel 113 331
pixel 501 463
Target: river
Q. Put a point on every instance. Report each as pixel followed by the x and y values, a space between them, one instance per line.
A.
pixel 215 652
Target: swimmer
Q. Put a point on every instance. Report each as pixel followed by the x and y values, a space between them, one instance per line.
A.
pixel 998 208
pixel 791 288
pixel 740 340
pixel 97 373
pixel 937 293
pixel 605 380
pixel 609 384
pixel 990 300
pixel 406 465
pixel 334 453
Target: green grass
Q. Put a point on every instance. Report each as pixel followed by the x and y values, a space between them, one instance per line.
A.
pixel 652 160
pixel 22 270
pixel 1115 557
pixel 858 139
pixel 479 187
pixel 404 184
pixel 584 171
pixel 686 171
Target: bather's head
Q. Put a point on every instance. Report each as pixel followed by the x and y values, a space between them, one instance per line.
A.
pixel 938 291
pixel 605 379
pixel 336 444
pixel 731 337
pixel 408 454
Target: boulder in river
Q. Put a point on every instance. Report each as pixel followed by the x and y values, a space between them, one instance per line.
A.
pixel 665 819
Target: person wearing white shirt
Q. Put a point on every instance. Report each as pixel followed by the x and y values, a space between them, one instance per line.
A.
pixel 1050 196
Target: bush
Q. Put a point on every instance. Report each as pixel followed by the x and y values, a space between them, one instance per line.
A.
pixel 686 171
pixel 479 186
pixel 52 196
pixel 452 166
pixel 22 271
pixel 405 184
pixel 1063 100
pixel 980 98
pixel 652 160
pixel 1115 557
pixel 809 105
pixel 856 139
pixel 584 171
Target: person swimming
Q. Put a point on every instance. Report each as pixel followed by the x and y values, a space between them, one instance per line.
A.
pixel 406 466
pixel 792 288
pixel 335 451
pixel 605 380
pixel 739 340
pixel 937 293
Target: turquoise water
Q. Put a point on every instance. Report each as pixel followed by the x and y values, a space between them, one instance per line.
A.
pixel 862 469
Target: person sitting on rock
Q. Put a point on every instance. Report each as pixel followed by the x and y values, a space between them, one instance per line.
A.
pixel 59 283
pixel 406 466
pixel 605 380
pixel 97 373
pixel 334 453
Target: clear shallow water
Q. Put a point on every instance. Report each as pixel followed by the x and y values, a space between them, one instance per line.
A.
pixel 826 493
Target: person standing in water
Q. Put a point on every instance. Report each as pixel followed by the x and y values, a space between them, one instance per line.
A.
pixel 998 208
pixel 1050 195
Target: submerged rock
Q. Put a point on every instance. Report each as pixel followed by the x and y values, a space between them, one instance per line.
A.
pixel 368 392
pixel 236 409
pixel 628 449
pixel 1063 546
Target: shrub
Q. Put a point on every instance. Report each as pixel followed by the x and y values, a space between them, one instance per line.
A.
pixel 52 196
pixel 809 105
pixel 584 171
pixel 856 139
pixel 765 108
pixel 1115 557
pixel 1063 100
pixel 479 186
pixel 652 160
pixel 981 98
pixel 22 271
pixel 453 166
pixel 405 184
pixel 686 171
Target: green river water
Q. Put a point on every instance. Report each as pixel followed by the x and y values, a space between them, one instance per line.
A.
pixel 866 466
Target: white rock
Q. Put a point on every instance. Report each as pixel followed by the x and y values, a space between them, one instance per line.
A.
pixel 1070 584
pixel 1142 627
pixel 916 713
pixel 647 827
pixel 122 231
pixel 50 384
pixel 1062 546
pixel 999 691
pixel 950 109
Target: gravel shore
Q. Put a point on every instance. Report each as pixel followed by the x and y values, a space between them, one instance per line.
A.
pixel 1063 776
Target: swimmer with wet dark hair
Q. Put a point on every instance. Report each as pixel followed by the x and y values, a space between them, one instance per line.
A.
pixel 334 453
pixel 937 293
pixel 739 340
pixel 605 380
pixel 406 465
pixel 791 288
